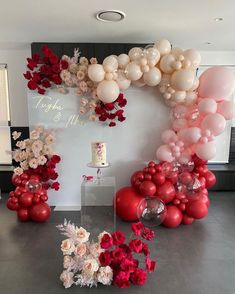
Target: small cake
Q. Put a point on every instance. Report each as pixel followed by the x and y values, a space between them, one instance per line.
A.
pixel 98 151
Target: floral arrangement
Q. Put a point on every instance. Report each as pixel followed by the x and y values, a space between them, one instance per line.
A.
pixel 109 260
pixel 35 156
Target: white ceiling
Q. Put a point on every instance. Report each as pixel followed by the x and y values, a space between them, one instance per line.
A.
pixel 186 23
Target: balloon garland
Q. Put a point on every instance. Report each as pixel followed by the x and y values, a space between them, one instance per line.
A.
pixel 199 110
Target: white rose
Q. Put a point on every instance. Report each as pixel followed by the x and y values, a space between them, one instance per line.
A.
pixel 33 163
pixel 82 235
pixel 67 247
pixel 95 249
pixel 18 171
pixel 67 279
pixel 42 160
pixel 21 144
pixel 80 250
pixel 50 140
pixel 68 261
pixel 34 134
pixel 90 266
pixel 105 275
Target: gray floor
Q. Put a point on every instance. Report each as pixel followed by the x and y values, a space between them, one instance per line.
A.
pixel 196 259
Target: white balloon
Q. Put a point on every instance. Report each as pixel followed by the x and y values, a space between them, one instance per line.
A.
pixel 152 77
pixel 108 91
pixel 122 81
pixel 163 46
pixel 110 63
pixel 195 84
pixel 139 83
pixel 135 53
pixel 176 51
pixel 193 56
pixel 167 63
pixel 123 60
pixel 153 54
pixel 165 81
pixel 133 71
pixel 183 79
pixel 179 96
pixel 96 72
pixel 190 98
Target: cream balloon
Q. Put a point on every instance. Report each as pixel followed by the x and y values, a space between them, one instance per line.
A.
pixel 110 63
pixel 195 84
pixel 123 60
pixel 139 83
pixel 183 79
pixel 108 91
pixel 163 46
pixel 122 81
pixel 152 77
pixel 165 81
pixel 190 97
pixel 153 54
pixel 96 72
pixel 193 56
pixel 179 96
pixel 167 63
pixel 176 52
pixel 133 71
pixel 135 53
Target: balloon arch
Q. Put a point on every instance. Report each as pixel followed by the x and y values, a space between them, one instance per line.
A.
pixel 199 110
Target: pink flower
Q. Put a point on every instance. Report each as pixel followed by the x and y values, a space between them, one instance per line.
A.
pixel 148 234
pixel 150 265
pixel 16 135
pixel 139 277
pixel 93 60
pixel 82 110
pixel 79 92
pixel 137 228
pixel 83 86
pixel 106 241
pixel 80 75
pixel 136 245
pixel 128 265
pixel 145 249
pixel 118 254
pixel 121 280
pixel 83 102
pixel 67 278
pixel 83 61
pixel 118 238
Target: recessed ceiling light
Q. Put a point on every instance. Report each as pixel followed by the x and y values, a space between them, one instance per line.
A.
pixel 110 15
pixel 218 19
pixel 208 43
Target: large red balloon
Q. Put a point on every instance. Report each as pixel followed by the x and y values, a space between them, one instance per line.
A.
pixel 197 209
pixel 23 214
pixel 210 179
pixel 159 179
pixel 12 205
pixel 147 188
pixel 26 199
pixel 138 175
pixel 198 161
pixel 166 192
pixel 127 203
pixel 173 217
pixel 40 212
pixel 187 220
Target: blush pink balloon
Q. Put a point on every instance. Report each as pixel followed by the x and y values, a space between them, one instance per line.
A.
pixel 214 122
pixel 179 111
pixel 207 105
pixel 227 109
pixel 164 153
pixel 206 151
pixel 190 135
pixel 217 83
pixel 179 124
pixel 169 136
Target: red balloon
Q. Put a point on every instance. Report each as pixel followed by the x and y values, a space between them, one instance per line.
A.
pixel 201 170
pixel 146 170
pixel 152 170
pixel 147 177
pixel 23 183
pixel 182 206
pixel 40 212
pixel 151 164
pixel 197 209
pixel 11 205
pixel 15 178
pixel 26 199
pixel 159 179
pixel 147 188
pixel 180 195
pixel 12 194
pixel 23 214
pixel 198 161
pixel 185 178
pixel 173 178
pixel 202 181
pixel 187 220
pixel 44 198
pixel 210 179
pixel 35 178
pixel 36 199
pixel 17 181
pixel 166 192
pixel 173 217
pixel 24 176
pixel 138 175
pixel 127 203
pixel 158 168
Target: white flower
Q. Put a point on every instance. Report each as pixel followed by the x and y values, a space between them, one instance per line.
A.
pixel 68 261
pixel 83 68
pixel 16 155
pixel 79 92
pixel 65 75
pixel 23 155
pixel 105 275
pixel 47 150
pixel 24 165
pixel 67 247
pixel 16 135
pixel 102 234
pixel 67 278
pixel 50 139
pixel 34 134
pixel 83 61
pixel 82 110
pixel 80 75
pixel 21 144
pixel 93 60
pixel 93 117
pixel 39 129
pixel 95 249
pixel 83 102
pixel 37 146
pixel 73 68
pixel 42 160
pixel 33 163
pixel 82 235
pixel 80 250
pixel 90 266
pixel 18 171
pixel 66 58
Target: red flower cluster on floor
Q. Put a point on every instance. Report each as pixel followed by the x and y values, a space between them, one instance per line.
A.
pixel 119 256
pixel 111 111
pixel 45 72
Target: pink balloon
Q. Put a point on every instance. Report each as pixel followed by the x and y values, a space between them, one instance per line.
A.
pixel 169 136
pixel 207 105
pixel 227 109
pixel 179 111
pixel 179 124
pixel 214 122
pixel 164 153
pixel 217 83
pixel 206 151
pixel 190 135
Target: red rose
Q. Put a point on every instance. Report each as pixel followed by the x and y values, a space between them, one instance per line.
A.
pixel 31 63
pixel 118 254
pixel 98 110
pixel 122 103
pixel 106 241
pixel 105 258
pixel 64 64
pixel 126 248
pixel 41 91
pixel 46 83
pixel 55 186
pixel 112 116
pixel 139 277
pixel 109 106
pixel 150 265
pixel 112 124
pixel 45 70
pixel 120 97
pixel 36 57
pixel 56 68
pixel 121 118
pixel 56 158
pixel 118 238
pixel 32 85
pixel 137 228
pixel 148 234
pixel 56 79
pixel 27 75
pixel 128 265
pixel 47 51
pixel 119 112
pixel 136 245
pixel 54 176
pixel 103 118
pixel 145 249
pixel 121 280
pixel 54 59
pixel 51 164
pixel 36 77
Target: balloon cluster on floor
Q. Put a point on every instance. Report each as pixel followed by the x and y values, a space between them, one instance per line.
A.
pixel 29 198
pixel 181 187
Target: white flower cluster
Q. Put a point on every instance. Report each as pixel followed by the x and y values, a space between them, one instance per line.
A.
pixel 81 258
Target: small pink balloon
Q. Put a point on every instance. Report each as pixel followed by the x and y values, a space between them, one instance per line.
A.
pixel 206 151
pixel 164 153
pixel 207 105
pixel 227 109
pixel 179 124
pixel 179 111
pixel 214 122
pixel 169 136
pixel 190 135
pixel 217 83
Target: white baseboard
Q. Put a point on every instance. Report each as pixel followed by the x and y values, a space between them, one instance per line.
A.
pixel 67 208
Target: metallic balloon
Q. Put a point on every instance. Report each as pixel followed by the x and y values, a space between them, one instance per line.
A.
pixel 33 186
